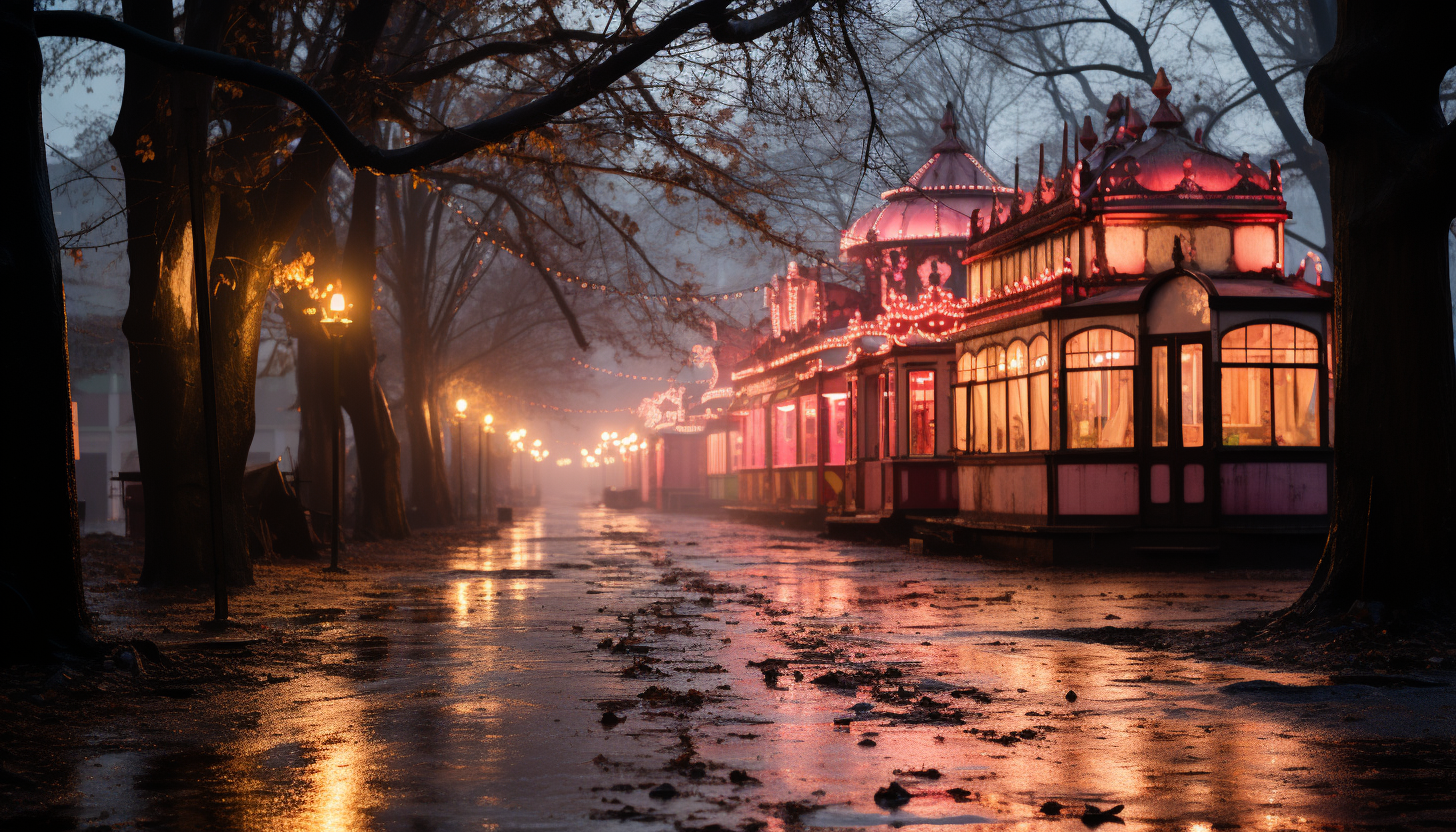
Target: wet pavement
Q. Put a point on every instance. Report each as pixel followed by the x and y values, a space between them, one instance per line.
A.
pixel 557 677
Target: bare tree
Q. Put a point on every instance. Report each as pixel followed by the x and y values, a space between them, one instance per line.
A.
pixel 270 193
pixel 1374 102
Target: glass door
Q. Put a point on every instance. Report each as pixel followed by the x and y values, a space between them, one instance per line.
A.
pixel 1177 468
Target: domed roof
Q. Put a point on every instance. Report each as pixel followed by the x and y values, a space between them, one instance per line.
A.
pixel 1169 160
pixel 935 202
pixel 1166 160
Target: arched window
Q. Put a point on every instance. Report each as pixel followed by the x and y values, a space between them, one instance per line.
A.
pixel 1001 401
pixel 960 397
pixel 965 367
pixel 1040 394
pixel 1098 366
pixel 1270 377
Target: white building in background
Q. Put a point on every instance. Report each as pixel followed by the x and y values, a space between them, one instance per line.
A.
pixel 96 295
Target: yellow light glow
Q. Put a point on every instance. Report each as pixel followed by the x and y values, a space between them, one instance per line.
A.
pixel 537 443
pixel 336 303
pixel 606 436
pixel 460 404
pixel 489 419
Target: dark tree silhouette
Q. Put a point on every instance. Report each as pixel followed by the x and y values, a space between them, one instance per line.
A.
pixel 1373 101
pixel 250 231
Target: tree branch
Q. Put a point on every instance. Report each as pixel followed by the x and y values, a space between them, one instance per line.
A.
pixel 743 31
pixel 487 51
pixel 581 87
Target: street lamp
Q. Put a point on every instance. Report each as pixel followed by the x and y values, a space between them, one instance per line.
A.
pixel 460 406
pixel 335 325
pixel 482 447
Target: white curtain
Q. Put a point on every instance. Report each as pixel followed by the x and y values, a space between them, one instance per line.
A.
pixel 1114 432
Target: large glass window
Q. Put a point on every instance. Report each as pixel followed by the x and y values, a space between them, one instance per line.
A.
pixel 961 396
pixel 735 450
pixel 1270 382
pixel 1099 389
pixel 891 444
pixel 1002 399
pixel 1190 375
pixel 836 412
pixel 786 434
pixel 717 453
pixel 755 441
pixel 809 430
pixel 1160 397
pixel 1041 381
pixel 922 412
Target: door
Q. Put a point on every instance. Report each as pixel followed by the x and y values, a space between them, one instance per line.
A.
pixel 1178 468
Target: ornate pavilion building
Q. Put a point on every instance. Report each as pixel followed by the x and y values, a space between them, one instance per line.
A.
pixel 1109 362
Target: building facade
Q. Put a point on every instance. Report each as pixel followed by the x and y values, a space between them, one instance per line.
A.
pixel 1109 362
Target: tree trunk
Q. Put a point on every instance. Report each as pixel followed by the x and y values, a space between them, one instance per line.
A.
pixel 1372 101
pixel 380 510
pixel 40 586
pixel 429 483
pixel 160 322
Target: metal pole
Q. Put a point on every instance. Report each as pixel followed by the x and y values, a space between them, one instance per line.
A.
pixel 479 452
pixel 489 485
pixel 196 131
pixel 459 473
pixel 337 434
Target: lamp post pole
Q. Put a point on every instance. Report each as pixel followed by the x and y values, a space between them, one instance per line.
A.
pixel 479 474
pixel 337 434
pixel 489 484
pixel 460 406
pixel 335 324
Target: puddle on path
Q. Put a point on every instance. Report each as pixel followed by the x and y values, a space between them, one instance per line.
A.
pixel 471 695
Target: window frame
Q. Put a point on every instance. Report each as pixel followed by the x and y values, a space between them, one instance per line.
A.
pixel 988 367
pixel 1321 384
pixel 910 403
pixel 1135 367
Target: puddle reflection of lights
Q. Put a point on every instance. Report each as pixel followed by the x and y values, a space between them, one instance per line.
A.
pixel 462 605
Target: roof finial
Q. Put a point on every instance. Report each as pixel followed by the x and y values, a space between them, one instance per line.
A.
pixel 1116 109
pixel 1088 136
pixel 1135 124
pixel 1161 87
pixel 1167 117
pixel 948 121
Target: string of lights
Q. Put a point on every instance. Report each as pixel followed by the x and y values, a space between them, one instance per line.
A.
pixel 483 234
pixel 631 376
pixel 567 409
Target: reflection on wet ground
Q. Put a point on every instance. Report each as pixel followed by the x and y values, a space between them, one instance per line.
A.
pixel 477 696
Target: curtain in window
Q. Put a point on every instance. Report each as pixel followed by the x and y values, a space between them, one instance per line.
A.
pixel 1041 412
pixel 1265 403
pixel 962 418
pixel 785 435
pixel 808 430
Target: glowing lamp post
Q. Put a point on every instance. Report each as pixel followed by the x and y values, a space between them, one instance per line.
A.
pixel 482 448
pixel 335 324
pixel 460 407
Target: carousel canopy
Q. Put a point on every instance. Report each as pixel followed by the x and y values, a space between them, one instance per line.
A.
pixel 935 202
pixel 1170 159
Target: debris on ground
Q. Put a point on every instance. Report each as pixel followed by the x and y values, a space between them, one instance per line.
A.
pixel 892 795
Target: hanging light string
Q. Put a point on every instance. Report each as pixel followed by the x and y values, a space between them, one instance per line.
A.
pixel 633 377
pixel 484 235
pixel 567 409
